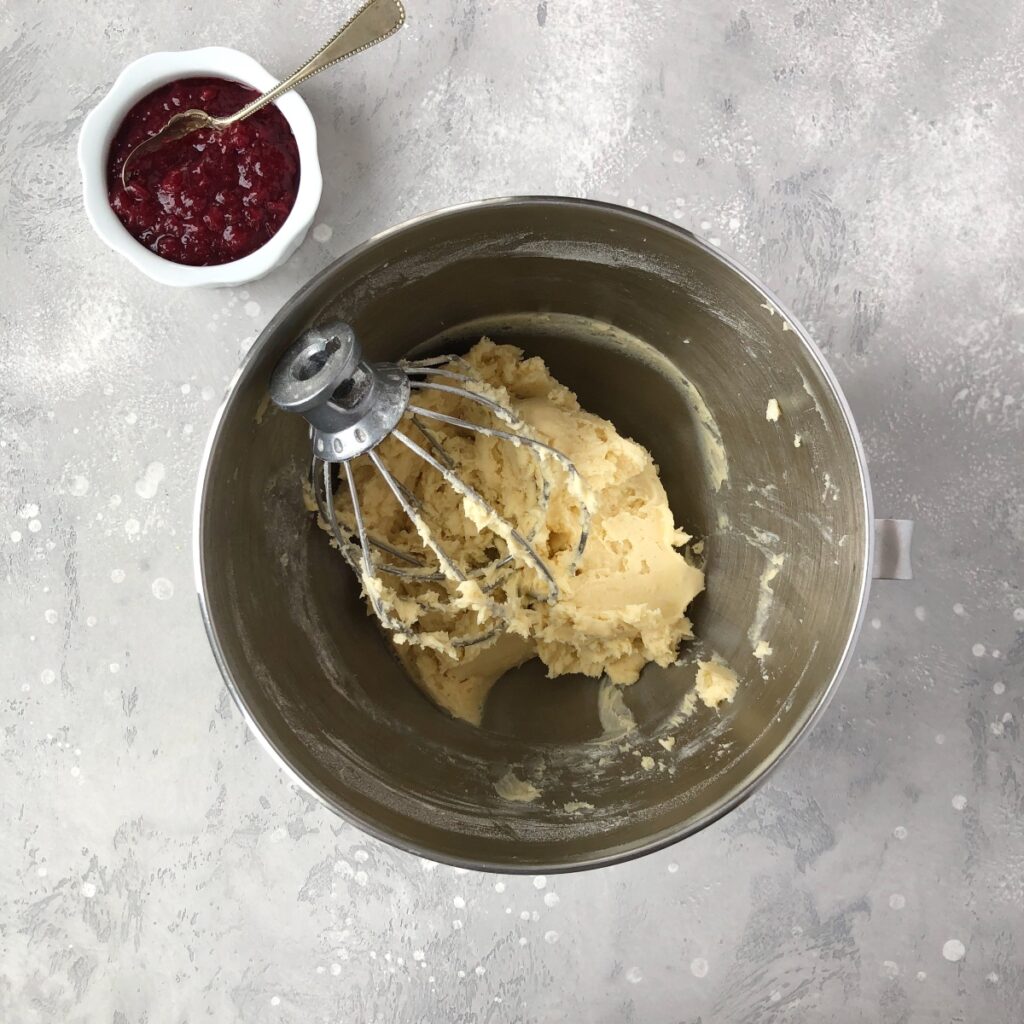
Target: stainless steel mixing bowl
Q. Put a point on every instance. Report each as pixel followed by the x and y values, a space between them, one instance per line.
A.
pixel 682 350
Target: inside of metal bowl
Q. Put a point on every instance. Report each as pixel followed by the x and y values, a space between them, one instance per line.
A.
pixel 683 353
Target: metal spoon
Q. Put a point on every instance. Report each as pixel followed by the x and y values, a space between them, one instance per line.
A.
pixel 373 22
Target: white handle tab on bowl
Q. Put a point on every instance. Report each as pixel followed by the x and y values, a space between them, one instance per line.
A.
pixel 893 539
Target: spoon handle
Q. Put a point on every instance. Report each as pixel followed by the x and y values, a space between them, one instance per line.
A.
pixel 373 22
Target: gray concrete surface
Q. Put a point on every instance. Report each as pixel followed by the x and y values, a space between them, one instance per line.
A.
pixel 864 159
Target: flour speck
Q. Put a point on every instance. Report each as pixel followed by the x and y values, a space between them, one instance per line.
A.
pixel 551 937
pixel 920 613
pixel 323 232
pixel 1018 614
pixel 88 890
pixel 999 688
pixel 673 868
pixel 699 967
pixel 335 969
pixel 252 308
pixel 50 615
pixel 634 976
pixel 499 886
pixel 132 527
pixel 78 486
pixel 876 623
pixel 539 882
pixel 459 902
pixel 29 511
pixel 978 650
pixel 117 575
pixel 551 899
pixel 275 1000
pixel 897 902
pixel 899 832
pixel 959 802
pixel 163 588
pixel 890 969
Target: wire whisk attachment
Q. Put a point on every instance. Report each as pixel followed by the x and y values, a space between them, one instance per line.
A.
pixel 365 418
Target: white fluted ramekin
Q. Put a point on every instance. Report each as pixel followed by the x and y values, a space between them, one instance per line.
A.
pixel 139 79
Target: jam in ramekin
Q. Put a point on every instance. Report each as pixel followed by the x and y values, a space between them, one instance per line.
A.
pixel 213 196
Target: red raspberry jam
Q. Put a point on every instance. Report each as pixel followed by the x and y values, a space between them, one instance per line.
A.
pixel 213 196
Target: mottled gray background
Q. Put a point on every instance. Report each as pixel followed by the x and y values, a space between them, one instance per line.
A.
pixel 865 160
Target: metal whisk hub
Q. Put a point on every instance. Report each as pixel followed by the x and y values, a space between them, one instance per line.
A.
pixel 352 405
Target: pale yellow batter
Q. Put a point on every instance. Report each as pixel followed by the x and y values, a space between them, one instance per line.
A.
pixel 624 606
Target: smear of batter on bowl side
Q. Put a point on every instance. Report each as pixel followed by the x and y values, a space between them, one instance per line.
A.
pixel 624 607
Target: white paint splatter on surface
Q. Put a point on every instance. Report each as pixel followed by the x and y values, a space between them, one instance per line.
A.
pixel 149 483
pixel 953 950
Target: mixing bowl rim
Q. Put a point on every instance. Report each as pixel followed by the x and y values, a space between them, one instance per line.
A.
pixel 661 840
